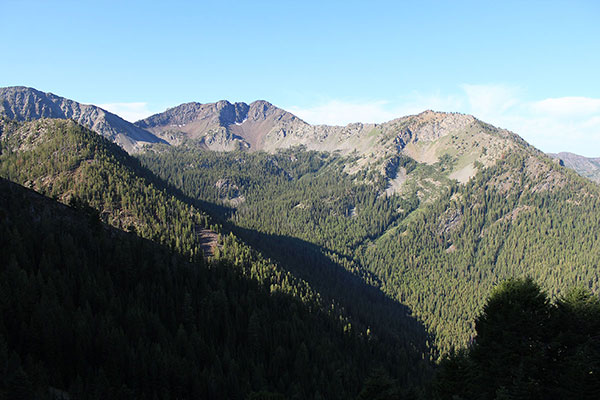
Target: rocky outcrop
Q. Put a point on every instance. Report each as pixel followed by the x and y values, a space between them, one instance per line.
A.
pixel 425 137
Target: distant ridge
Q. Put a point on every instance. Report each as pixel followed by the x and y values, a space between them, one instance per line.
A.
pixel 584 166
pixel 24 103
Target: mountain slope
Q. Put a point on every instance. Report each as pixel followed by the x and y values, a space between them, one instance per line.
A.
pixel 88 312
pixel 460 142
pixel 584 166
pixel 431 209
pixel 262 126
pixel 434 244
pixel 22 103
pixel 524 216
pixel 68 162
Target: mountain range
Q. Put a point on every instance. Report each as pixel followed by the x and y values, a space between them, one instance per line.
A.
pixel 261 126
pixel 257 126
pixel 387 238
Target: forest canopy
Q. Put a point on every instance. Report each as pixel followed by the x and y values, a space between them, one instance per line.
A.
pixel 528 347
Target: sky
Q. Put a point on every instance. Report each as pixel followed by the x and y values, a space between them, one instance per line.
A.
pixel 528 66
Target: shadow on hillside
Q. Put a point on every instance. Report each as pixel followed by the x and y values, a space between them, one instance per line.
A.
pixel 134 275
pixel 367 305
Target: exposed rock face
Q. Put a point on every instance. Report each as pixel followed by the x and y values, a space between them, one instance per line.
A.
pixel 22 103
pixel 430 125
pixel 584 166
pixel 246 126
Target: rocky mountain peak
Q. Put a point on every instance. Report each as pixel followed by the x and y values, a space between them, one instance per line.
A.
pixel 262 109
pixel 221 125
pixel 440 118
pixel 24 103
pixel 260 125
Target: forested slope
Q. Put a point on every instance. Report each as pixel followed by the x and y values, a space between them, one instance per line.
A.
pixel 528 346
pixel 101 313
pixel 441 254
pixel 221 328
pixel 522 217
pixel 63 160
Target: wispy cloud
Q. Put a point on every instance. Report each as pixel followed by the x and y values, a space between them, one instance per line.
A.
pixel 129 111
pixel 342 112
pixel 568 107
pixel 338 112
pixel 551 124
pixel 490 100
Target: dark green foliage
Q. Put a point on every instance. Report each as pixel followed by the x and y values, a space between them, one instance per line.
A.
pixel 100 313
pixel 522 216
pixel 379 386
pixel 263 395
pixel 66 161
pixel 512 338
pixel 296 193
pixel 347 255
pixel 301 209
pixel 529 348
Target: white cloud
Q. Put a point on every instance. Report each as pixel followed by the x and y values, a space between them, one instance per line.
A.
pixel 342 112
pixel 129 111
pixel 338 112
pixel 567 107
pixel 551 124
pixel 490 100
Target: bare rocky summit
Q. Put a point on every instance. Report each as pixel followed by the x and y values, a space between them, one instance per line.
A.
pixel 23 103
pixel 221 125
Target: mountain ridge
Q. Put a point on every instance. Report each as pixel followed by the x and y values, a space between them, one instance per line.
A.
pixel 221 125
pixel 428 211
pixel 427 137
pixel 226 126
pixel 24 103
pixel 588 167
pixel 260 126
pixel 70 163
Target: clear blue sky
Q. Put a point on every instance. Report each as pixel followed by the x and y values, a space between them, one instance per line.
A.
pixel 525 65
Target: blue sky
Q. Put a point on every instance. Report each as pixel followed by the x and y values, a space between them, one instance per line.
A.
pixel 528 66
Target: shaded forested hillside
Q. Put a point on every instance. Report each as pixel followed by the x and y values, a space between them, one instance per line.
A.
pixel 85 301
